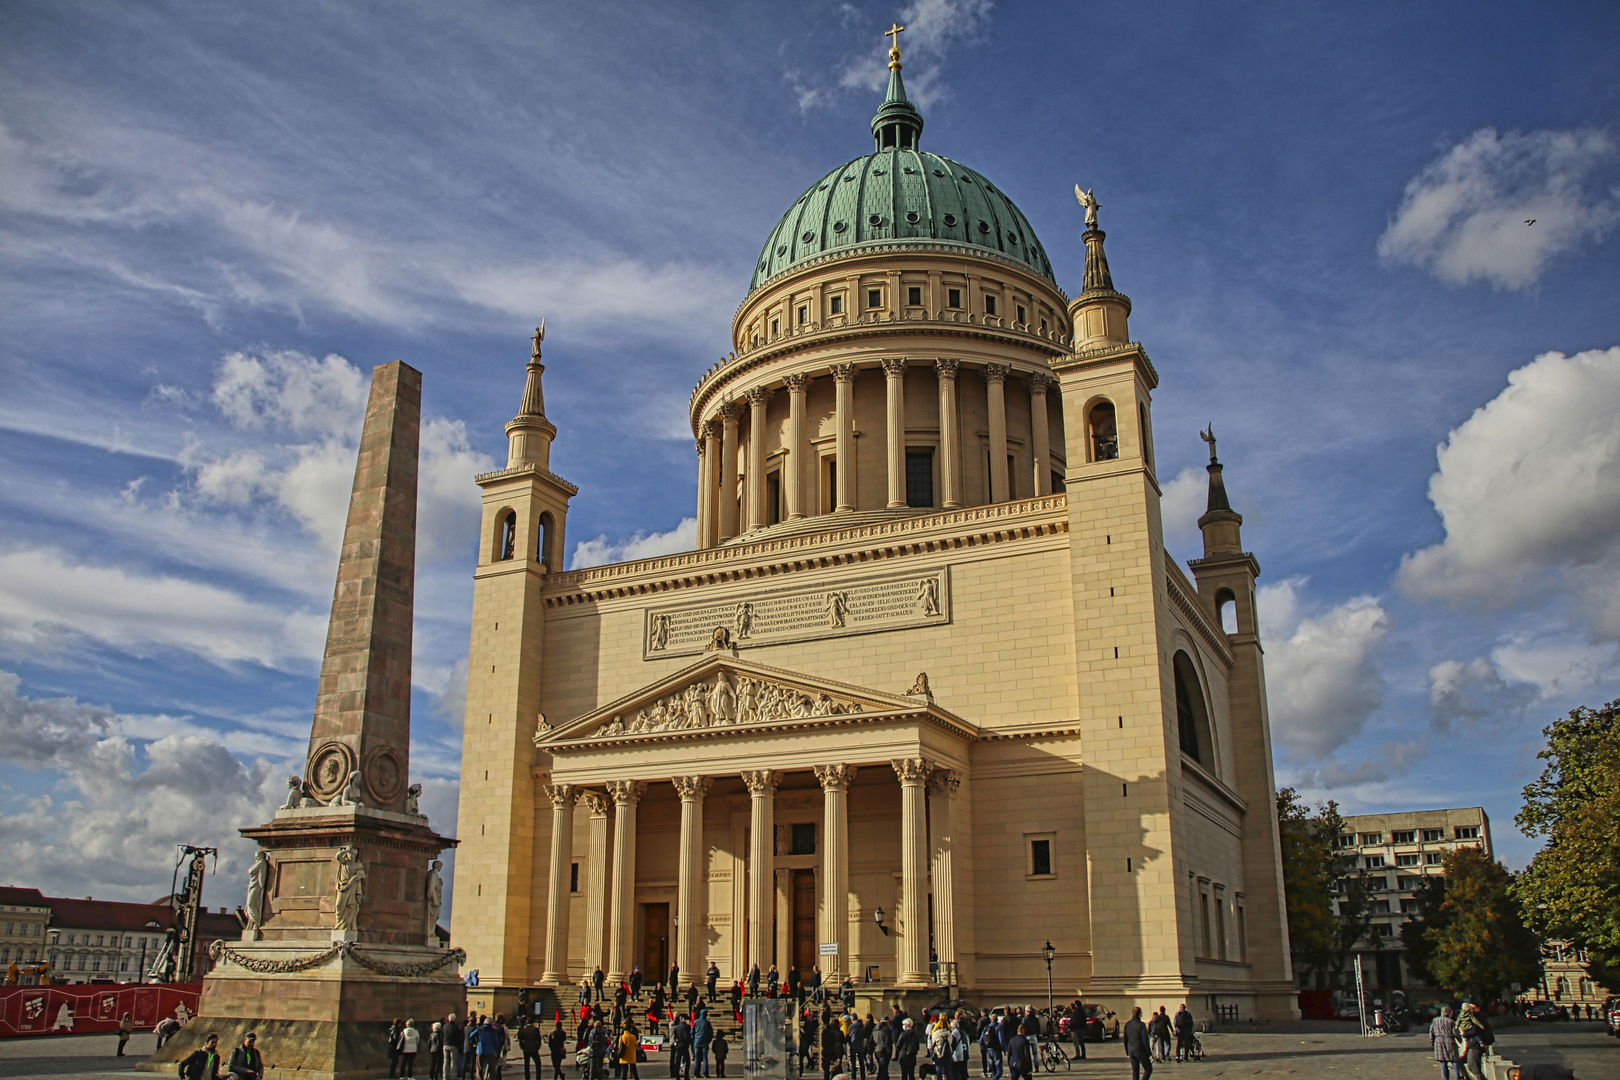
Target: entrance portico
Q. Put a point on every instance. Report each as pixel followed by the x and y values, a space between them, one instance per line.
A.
pixel 736 752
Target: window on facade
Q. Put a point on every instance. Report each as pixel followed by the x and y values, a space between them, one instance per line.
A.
pixel 837 305
pixel 989 305
pixel 1243 936
pixel 1104 435
pixel 573 877
pixel 1192 717
pixel 953 298
pixel 1433 836
pixel 1058 483
pixel 1372 838
pixel 123 965
pixel 1432 858
pixel 874 298
pixel 100 938
pixel 1407 882
pixel 1467 832
pixel 1384 930
pixel 1380 907
pixel 1406 860
pixel 1043 326
pixel 776 327
pixel 1345 840
pixel 804 839
pixel 914 295
pixel 773 498
pixel 920 476
pixel 1203 919
pixel 804 314
pixel 506 536
pixel 1040 857
pixel 1403 836
pixel 82 959
pixel 1022 317
pixel 544 554
pixel 1373 862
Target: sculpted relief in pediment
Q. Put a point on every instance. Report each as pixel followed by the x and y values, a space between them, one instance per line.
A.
pixel 725 699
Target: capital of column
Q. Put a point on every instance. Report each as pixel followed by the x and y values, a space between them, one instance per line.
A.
pixel 912 770
pixel 626 792
pixel 692 788
pixel 710 429
pixel 996 373
pixel 944 781
pixel 730 410
pixel 946 369
pixel 761 782
pixel 835 777
pixel 798 383
pixel 844 373
pixel 595 802
pixel 561 795
pixel 1040 382
pixel 894 368
pixel 699 445
pixel 759 395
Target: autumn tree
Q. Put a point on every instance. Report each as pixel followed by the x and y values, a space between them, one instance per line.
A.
pixel 1571 889
pixel 1329 900
pixel 1470 933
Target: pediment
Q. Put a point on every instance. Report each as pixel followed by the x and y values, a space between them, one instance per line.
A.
pixel 723 692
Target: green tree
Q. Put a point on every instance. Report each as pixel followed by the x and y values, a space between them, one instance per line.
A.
pixel 1322 928
pixel 1571 889
pixel 1470 933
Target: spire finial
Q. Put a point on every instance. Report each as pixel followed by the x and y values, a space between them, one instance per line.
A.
pixel 893 34
pixel 539 336
pixel 1208 435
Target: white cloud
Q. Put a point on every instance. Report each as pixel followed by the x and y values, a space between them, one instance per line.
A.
pixel 1528 488
pixel 1322 681
pixel 1473 693
pixel 1558 665
pixel 1463 217
pixel 1386 763
pixel 933 29
pixel 639 545
pixel 292 390
pixel 1182 503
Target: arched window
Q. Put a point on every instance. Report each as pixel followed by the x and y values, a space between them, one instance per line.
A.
pixel 506 536
pixel 1192 717
pixel 1104 432
pixel 1142 433
pixel 544 554
pixel 1226 611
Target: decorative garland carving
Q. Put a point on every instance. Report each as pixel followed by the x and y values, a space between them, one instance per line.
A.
pixel 222 952
pixel 407 971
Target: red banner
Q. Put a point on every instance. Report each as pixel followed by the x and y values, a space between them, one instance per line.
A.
pixel 50 1010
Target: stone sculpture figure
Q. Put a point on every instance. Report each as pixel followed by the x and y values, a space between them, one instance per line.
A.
pixel 837 608
pixel 721 641
pixel 351 887
pixel 928 595
pixel 747 701
pixel 433 895
pixel 258 884
pixel 743 620
pixel 723 700
pixel 295 794
pixel 350 795
pixel 660 633
pixel 1089 201
pixel 413 800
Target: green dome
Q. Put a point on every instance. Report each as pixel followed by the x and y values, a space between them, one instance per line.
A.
pixel 897 194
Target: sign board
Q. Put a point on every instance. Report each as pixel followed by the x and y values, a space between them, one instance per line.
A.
pixel 828 948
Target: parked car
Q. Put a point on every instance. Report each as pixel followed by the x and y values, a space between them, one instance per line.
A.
pixel 1611 1015
pixel 1547 1010
pixel 1100 1024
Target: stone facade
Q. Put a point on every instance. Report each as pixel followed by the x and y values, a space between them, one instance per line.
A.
pixel 929 693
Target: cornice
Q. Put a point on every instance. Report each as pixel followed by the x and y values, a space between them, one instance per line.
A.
pixel 909 247
pixel 515 472
pixel 563 747
pixel 1129 350
pixel 970 527
pixel 1191 605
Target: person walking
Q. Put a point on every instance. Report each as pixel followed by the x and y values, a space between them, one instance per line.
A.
pixel 959 1048
pixel 1443 1041
pixel 557 1043
pixel 487 1051
pixel 410 1041
pixel 529 1041
pixel 1476 1034
pixel 202 1064
pixel 855 1040
pixel 1185 1030
pixel 680 1049
pixel 712 976
pixel 246 1061
pixel 628 1046
pixel 753 981
pixel 396 1038
pixel 832 1048
pixel 126 1028
pixel 1020 1058
pixel 882 1048
pixel 453 1037
pixel 1137 1046
pixel 906 1045
pixel 598 1046
pixel 635 982
pixel 1159 1029
pixel 720 1048
pixel 702 1037
pixel 990 1049
pixel 435 1051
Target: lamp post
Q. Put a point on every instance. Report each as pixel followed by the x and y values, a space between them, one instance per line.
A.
pixel 1049 953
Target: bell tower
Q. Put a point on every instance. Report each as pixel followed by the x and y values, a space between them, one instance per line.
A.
pixel 521 540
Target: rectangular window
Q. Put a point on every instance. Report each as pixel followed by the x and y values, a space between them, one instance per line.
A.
pixel 123 965
pixel 1403 836
pixel 1040 856
pixel 1043 326
pixel 776 327
pixel 804 839
pixel 1345 840
pixel 920 477
pixel 1384 930
pixel 953 298
pixel 100 938
pixel 1373 862
pixel 1431 858
pixel 573 878
pixel 95 964
pixel 1406 860
pixel 1058 483
pixel 1203 918
pixel 1467 832
pixel 1022 316
pixel 1243 936
pixel 838 304
pixel 1408 882
pixel 804 314
pixel 1433 836
pixel 1409 906
pixel 1380 907
pixel 1372 838
pixel 989 305
pixel 914 295
pixel 874 298
pixel 829 487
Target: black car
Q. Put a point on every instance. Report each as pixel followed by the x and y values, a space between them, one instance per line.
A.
pixel 1547 1010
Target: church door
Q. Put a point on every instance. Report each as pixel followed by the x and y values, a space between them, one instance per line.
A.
pixel 655 947
pixel 804 921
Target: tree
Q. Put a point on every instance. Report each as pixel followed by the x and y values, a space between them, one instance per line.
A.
pixel 1571 889
pixel 1315 875
pixel 1470 933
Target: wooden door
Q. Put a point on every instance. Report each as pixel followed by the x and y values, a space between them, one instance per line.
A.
pixel 804 922
pixel 655 942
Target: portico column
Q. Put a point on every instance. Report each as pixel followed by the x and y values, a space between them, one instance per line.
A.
pixel 799 447
pixel 950 471
pixel 758 397
pixel 728 469
pixel 894 382
pixel 844 417
pixel 702 495
pixel 995 377
pixel 942 787
pixel 761 866
pixel 557 900
pixel 708 497
pixel 913 947
pixel 1038 386
pixel 596 879
pixel 694 877
pixel 626 795
pixel 835 781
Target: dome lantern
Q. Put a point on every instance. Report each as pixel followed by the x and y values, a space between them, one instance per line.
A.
pixel 898 124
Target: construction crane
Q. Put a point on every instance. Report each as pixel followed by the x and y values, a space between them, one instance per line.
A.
pixel 175 961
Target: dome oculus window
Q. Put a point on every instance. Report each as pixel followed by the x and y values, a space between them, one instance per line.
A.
pixel 874 220
pixel 877 172
pixel 839 226
pixel 984 226
pixel 913 217
pixel 950 219
pixel 781 249
pixel 807 237
pixel 939 172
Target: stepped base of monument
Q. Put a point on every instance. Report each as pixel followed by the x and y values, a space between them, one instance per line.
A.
pixel 292 1049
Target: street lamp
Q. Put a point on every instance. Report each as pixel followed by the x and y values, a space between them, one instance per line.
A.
pixel 1049 953
pixel 877 917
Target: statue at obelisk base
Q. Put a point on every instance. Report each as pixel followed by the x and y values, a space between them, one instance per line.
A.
pixel 343 899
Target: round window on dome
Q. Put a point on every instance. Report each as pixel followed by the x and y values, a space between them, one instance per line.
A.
pixel 939 172
pixel 874 220
pixel 877 172
pixel 965 179
pixel 782 248
pixel 950 219
pixel 807 237
pixel 913 217
pixel 839 226
pixel 984 226
pixel 849 179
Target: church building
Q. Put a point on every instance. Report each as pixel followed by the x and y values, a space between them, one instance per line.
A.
pixel 929 696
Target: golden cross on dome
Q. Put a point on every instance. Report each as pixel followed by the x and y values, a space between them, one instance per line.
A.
pixel 893 34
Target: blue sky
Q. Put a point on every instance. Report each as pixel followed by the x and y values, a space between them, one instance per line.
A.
pixel 214 219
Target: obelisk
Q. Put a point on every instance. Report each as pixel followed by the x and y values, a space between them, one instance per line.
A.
pixel 343 900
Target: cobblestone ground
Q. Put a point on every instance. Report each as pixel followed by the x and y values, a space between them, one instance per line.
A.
pixel 1295 1050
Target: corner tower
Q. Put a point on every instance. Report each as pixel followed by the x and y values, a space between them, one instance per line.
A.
pixel 520 542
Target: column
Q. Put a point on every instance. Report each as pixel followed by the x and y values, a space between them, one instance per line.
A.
pixel 702 493
pixel 950 466
pixel 758 398
pixel 596 879
pixel 995 378
pixel 894 385
pixel 835 781
pixel 557 901
pixel 728 469
pixel 761 867
pixel 626 795
pixel 782 947
pixel 942 787
pixel 690 915
pixel 1039 384
pixel 844 385
pixel 798 457
pixel 913 945
pixel 710 521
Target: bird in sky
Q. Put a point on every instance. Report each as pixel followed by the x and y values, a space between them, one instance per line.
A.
pixel 1529 221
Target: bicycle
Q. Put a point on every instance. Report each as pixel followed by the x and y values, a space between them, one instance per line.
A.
pixel 1054 1058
